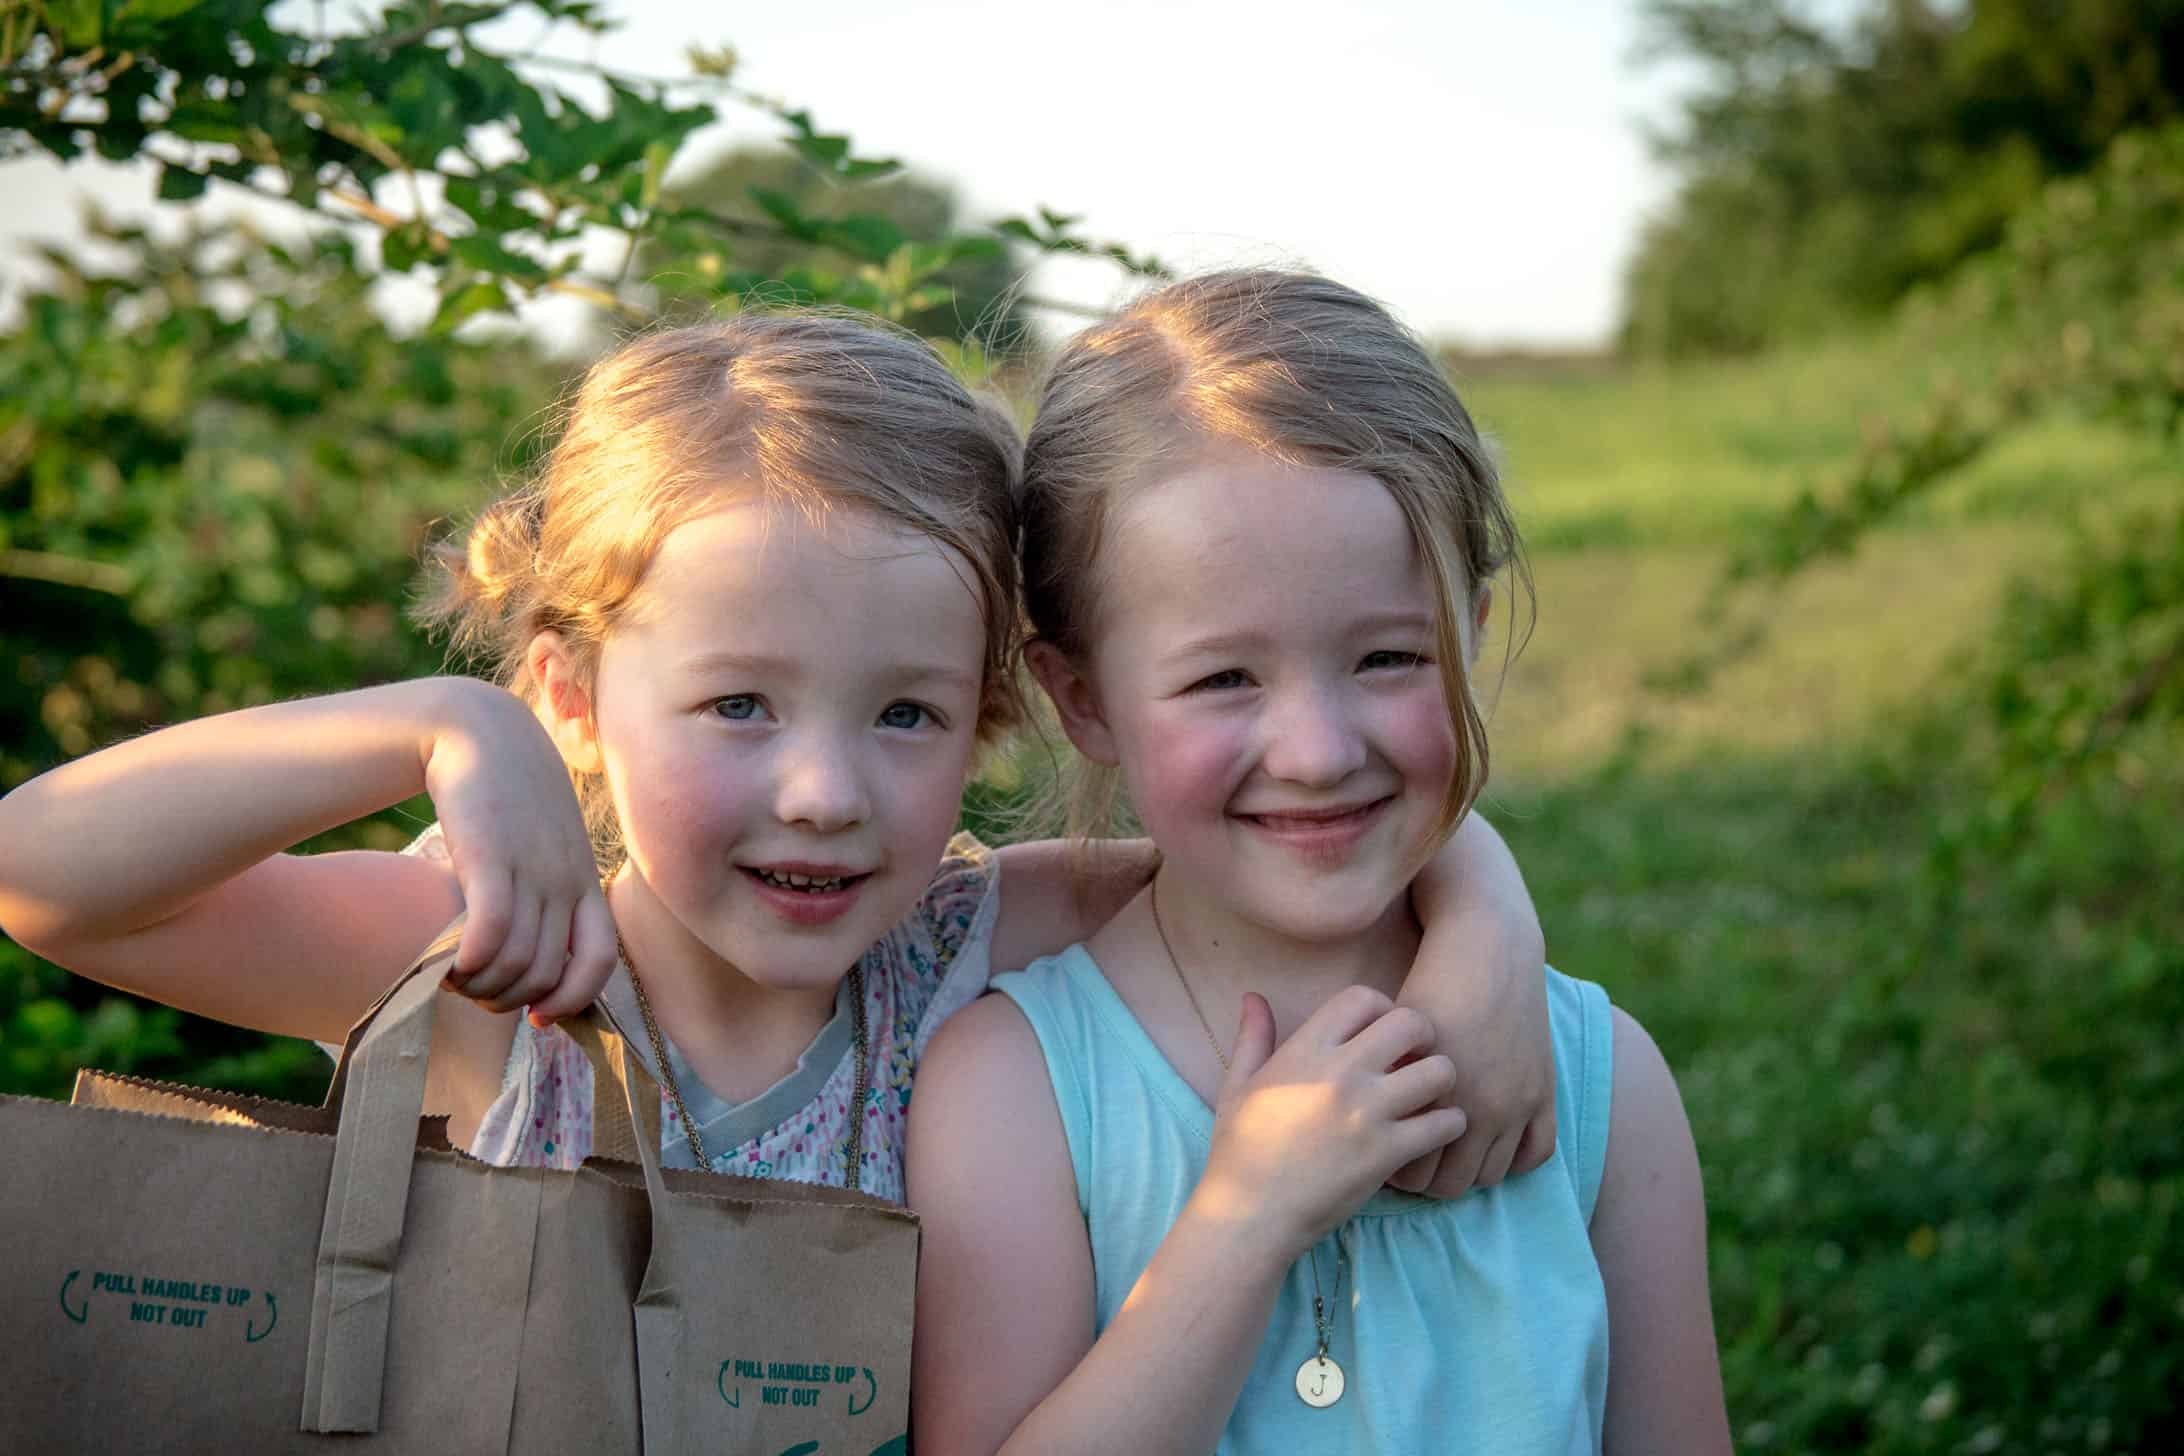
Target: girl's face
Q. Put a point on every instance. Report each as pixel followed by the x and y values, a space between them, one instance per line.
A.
pixel 786 720
pixel 1263 671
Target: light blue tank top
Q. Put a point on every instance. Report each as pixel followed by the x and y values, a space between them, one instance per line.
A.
pixel 1479 1324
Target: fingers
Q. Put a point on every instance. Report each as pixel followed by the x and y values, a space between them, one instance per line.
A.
pixel 1343 1015
pixel 1254 1044
pixel 549 959
pixel 1435 1127
pixel 1495 1165
pixel 1420 1084
pixel 1396 1035
pixel 1459 1169
pixel 592 952
pixel 1417 1175
pixel 1537 1144
pixel 489 901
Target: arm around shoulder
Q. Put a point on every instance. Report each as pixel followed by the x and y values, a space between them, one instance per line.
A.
pixel 1005 1294
pixel 1649 1234
pixel 1055 893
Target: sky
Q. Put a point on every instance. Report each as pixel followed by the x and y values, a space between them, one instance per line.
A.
pixel 1479 166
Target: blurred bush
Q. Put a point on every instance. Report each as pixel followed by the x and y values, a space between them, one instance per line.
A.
pixel 1829 162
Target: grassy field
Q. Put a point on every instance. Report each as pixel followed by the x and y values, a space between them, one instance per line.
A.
pixel 1939 1101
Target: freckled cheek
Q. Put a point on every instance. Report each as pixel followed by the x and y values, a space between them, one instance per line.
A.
pixel 1422 741
pixel 923 799
pixel 1185 767
pixel 679 806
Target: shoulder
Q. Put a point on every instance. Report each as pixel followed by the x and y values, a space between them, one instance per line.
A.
pixel 988 1172
pixel 1651 1180
pixel 983 1095
pixel 1649 1235
pixel 985 1049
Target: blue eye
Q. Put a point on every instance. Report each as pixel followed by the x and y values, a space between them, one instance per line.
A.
pixel 905 715
pixel 738 707
pixel 1376 661
pixel 1232 677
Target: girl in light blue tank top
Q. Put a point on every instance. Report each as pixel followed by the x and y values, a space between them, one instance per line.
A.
pixel 1524 1367
pixel 1258 534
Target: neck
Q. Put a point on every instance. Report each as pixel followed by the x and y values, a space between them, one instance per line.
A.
pixel 739 1036
pixel 1222 954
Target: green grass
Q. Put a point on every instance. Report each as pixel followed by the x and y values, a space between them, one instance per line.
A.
pixel 1942 1128
pixel 1692 455
pixel 1936 1086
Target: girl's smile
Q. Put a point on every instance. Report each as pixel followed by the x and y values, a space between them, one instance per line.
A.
pixel 786 719
pixel 1263 671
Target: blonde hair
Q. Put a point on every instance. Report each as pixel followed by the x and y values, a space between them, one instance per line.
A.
pixel 1296 368
pixel 818 411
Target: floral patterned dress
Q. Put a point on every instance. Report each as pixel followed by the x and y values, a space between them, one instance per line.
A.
pixel 927 967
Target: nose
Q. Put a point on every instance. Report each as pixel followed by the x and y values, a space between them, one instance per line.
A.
pixel 820 784
pixel 1314 741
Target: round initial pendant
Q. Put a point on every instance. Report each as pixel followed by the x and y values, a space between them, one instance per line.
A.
pixel 1319 1382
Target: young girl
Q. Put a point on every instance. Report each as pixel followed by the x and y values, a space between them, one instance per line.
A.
pixel 761 601
pixel 1259 529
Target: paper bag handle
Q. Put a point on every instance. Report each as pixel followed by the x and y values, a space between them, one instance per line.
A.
pixel 378 1090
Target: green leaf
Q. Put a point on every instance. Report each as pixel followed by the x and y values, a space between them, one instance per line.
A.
pixel 489 255
pixel 200 121
pixel 783 210
pixel 865 235
pixel 81 24
pixel 468 301
pixel 155 10
pixel 656 160
pixel 180 184
pixel 403 248
pixel 827 152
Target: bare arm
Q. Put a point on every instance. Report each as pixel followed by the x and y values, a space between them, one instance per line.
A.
pixel 1649 1233
pixel 155 865
pixel 1054 895
pixel 1006 1359
pixel 1478 978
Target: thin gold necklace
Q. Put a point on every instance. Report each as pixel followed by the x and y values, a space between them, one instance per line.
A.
pixel 1183 980
pixel 1320 1380
pixel 852 1138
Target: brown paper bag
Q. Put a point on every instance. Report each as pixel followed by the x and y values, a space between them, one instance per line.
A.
pixel 200 1271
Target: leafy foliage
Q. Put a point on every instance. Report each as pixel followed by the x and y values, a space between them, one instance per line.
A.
pixel 466 161
pixel 1827 168
pixel 218 463
pixel 2081 309
pixel 977 293
pixel 217 468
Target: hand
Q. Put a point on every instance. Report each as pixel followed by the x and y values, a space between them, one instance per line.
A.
pixel 537 931
pixel 1303 1135
pixel 1505 1076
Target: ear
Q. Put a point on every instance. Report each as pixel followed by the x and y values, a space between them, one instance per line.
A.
pixel 1075 701
pixel 564 701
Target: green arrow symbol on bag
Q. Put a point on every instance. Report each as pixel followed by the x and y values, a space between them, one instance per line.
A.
pixel 78 1318
pixel 251 1333
pixel 872 1393
pixel 735 1402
